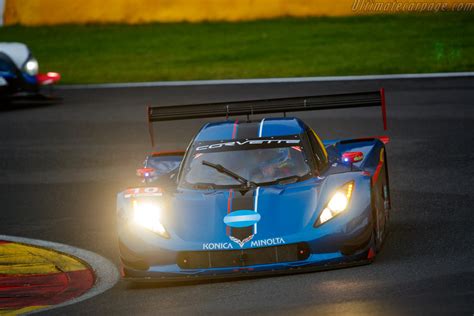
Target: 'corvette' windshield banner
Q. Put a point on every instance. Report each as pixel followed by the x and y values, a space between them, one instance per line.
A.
pixel 247 144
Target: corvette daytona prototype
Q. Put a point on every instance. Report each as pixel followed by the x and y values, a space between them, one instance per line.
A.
pixel 256 196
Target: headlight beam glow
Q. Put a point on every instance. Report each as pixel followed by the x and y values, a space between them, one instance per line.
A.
pixel 31 67
pixel 337 204
pixel 148 215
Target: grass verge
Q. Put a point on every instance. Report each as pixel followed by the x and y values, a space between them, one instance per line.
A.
pixel 413 43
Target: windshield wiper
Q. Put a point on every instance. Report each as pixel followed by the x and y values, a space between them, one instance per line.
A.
pixel 228 172
pixel 287 180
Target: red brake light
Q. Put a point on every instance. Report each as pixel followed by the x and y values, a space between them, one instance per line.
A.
pixel 48 78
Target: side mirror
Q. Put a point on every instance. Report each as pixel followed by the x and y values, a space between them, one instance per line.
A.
pixel 352 157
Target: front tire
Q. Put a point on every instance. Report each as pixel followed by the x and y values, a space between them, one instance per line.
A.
pixel 381 207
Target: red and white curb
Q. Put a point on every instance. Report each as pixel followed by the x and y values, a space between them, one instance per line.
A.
pixel 105 273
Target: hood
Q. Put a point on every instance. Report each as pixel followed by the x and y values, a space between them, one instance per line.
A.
pixel 223 215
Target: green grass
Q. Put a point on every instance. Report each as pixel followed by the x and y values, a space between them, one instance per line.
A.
pixel 270 48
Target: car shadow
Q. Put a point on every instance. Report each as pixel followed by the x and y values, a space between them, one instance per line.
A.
pixel 150 284
pixel 9 105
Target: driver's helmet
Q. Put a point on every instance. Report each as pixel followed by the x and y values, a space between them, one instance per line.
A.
pixel 277 156
pixel 270 160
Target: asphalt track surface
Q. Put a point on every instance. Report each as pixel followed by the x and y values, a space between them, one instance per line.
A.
pixel 61 166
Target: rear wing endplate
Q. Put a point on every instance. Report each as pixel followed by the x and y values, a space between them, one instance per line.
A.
pixel 266 106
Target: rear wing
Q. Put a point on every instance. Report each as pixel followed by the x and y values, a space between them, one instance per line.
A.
pixel 266 106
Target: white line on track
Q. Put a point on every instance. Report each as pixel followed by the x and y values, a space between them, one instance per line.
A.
pixel 264 80
pixel 105 271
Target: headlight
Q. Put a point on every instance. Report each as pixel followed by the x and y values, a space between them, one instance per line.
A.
pixel 337 204
pixel 148 215
pixel 31 67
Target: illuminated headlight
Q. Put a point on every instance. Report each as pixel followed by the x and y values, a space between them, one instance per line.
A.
pixel 148 215
pixel 337 204
pixel 31 67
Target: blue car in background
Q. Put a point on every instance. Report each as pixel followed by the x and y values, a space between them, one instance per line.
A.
pixel 19 73
pixel 256 197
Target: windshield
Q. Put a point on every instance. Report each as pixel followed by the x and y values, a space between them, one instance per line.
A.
pixel 257 165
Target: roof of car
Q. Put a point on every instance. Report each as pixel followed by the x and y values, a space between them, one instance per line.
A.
pixel 18 52
pixel 236 129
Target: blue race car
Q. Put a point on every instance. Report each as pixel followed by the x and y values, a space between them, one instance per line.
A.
pixel 19 76
pixel 255 197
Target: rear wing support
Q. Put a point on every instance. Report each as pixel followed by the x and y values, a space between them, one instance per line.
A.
pixel 266 106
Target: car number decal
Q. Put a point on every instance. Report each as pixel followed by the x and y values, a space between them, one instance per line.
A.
pixel 148 191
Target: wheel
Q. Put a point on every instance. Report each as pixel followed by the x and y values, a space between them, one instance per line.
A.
pixel 381 207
